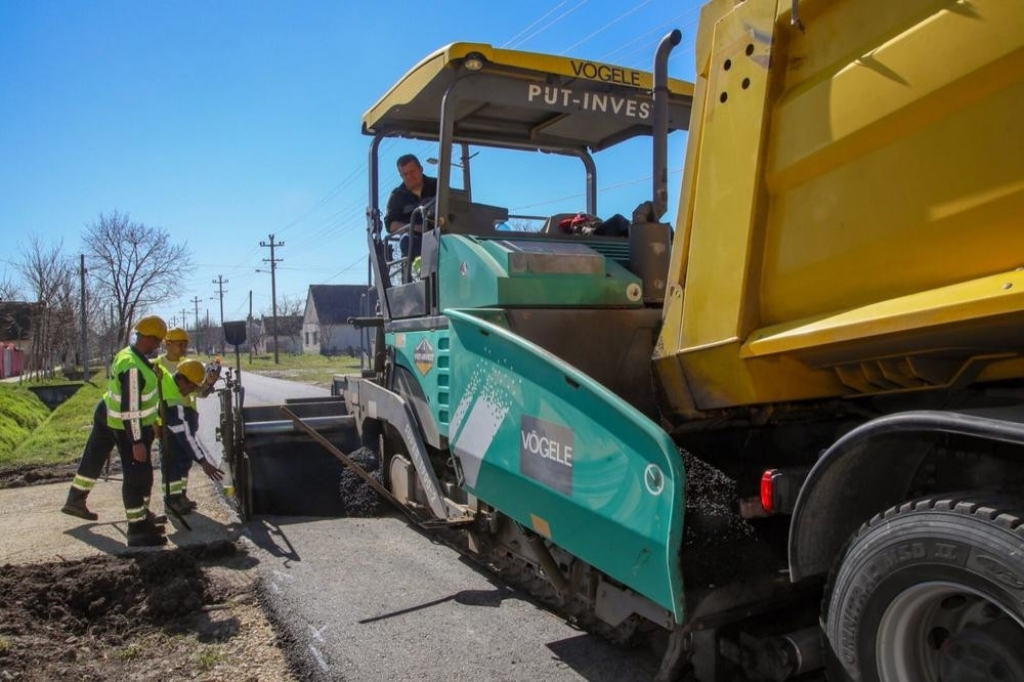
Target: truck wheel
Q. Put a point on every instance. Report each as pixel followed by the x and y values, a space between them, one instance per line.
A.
pixel 930 590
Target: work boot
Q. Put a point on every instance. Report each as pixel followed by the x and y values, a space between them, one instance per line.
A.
pixel 143 534
pixel 192 504
pixel 75 506
pixel 155 519
pixel 176 504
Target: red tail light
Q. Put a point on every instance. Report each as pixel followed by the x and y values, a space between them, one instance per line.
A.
pixel 768 491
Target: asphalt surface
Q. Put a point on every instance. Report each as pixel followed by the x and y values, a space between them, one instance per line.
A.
pixel 374 599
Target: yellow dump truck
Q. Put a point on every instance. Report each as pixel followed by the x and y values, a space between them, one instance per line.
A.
pixel 784 433
pixel 847 294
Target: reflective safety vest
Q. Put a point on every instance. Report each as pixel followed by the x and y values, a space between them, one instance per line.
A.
pixel 140 406
pixel 168 386
pixel 170 367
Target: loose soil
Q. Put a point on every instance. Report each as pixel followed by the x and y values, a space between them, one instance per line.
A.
pixel 180 614
pixel 40 474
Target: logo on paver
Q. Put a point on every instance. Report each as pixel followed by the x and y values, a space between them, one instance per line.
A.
pixel 423 356
pixel 546 453
pixel 654 479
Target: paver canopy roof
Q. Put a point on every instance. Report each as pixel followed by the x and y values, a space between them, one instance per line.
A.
pixel 524 98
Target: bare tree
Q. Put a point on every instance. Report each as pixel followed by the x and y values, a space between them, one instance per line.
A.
pixel 50 277
pixel 103 339
pixel 135 266
pixel 290 312
pixel 9 291
pixel 522 225
pixel 255 334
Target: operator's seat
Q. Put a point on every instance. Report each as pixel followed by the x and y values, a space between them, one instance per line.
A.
pixel 551 224
pixel 466 217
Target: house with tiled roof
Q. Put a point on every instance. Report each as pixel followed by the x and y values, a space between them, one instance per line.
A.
pixel 325 327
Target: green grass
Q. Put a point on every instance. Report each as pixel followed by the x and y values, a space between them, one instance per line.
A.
pixel 29 434
pixel 131 652
pixel 20 412
pixel 61 436
pixel 209 657
pixel 308 369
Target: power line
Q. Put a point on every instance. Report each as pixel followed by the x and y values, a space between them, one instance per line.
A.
pixel 534 23
pixel 346 268
pixel 554 21
pixel 657 29
pixel 606 188
pixel 606 26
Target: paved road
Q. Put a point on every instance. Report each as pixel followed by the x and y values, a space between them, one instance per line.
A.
pixel 373 599
pixel 258 391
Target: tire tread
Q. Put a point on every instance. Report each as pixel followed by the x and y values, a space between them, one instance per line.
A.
pixel 1003 511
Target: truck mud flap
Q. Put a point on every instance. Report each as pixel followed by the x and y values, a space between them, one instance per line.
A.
pixel 287 472
pixel 564 456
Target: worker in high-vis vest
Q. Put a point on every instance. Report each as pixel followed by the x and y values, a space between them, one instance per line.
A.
pixel 131 404
pixel 180 434
pixel 176 346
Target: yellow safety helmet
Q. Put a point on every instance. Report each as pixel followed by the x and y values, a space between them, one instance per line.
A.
pixel 192 370
pixel 152 325
pixel 177 334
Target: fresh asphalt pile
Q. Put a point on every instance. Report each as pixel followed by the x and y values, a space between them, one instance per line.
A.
pixel 714 531
pixel 358 499
pixel 710 517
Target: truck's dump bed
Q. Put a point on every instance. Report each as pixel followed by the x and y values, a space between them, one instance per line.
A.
pixel 853 202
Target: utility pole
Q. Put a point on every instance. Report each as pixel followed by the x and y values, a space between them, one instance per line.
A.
pixel 273 287
pixel 251 344
pixel 195 301
pixel 85 327
pixel 220 282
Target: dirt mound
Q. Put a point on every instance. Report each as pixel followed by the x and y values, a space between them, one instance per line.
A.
pixel 57 618
pixel 40 474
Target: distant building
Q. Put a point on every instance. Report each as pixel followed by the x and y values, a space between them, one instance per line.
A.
pixel 289 333
pixel 15 336
pixel 325 327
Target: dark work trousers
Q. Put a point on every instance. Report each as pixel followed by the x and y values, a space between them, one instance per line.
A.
pixel 138 476
pixel 181 463
pixel 101 441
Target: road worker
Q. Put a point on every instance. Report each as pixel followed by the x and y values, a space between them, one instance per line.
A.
pixel 130 408
pixel 180 437
pixel 180 460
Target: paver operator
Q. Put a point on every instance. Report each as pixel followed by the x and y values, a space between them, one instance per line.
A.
pixel 415 189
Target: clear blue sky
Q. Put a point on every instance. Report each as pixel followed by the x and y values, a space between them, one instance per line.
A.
pixel 223 122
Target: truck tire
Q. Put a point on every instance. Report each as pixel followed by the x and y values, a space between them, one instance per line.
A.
pixel 931 589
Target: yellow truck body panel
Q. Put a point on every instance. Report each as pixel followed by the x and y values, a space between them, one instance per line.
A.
pixel 852 203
